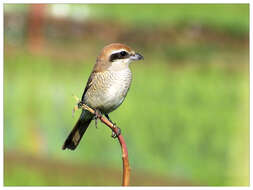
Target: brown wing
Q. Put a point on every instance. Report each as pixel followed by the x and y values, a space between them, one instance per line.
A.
pixel 88 84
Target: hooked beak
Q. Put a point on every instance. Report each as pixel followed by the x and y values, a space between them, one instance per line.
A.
pixel 136 57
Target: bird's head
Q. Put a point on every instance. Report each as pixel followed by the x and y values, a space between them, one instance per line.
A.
pixel 116 56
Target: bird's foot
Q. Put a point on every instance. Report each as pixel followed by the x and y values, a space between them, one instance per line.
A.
pixel 97 116
pixel 115 135
pixel 80 104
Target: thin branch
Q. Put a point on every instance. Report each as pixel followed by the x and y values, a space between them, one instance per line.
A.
pixel 126 167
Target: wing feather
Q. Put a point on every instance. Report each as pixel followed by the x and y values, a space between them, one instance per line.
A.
pixel 88 84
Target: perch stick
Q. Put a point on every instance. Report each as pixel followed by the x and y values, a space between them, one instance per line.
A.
pixel 126 167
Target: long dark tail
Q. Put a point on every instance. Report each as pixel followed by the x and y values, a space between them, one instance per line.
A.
pixel 76 134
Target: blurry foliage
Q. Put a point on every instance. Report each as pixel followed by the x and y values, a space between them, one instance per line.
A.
pixel 185 116
pixel 77 21
pixel 218 16
pixel 176 122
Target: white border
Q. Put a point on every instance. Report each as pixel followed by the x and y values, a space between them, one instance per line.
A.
pixel 1 94
pixel 250 72
pixel 116 2
pixel 125 1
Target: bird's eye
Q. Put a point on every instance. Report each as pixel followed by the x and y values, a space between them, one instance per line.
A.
pixel 123 53
pixel 119 55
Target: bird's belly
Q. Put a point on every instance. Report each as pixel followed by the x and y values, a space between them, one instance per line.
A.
pixel 112 94
pixel 113 97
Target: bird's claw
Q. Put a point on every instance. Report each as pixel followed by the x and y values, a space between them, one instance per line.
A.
pixel 79 104
pixel 115 135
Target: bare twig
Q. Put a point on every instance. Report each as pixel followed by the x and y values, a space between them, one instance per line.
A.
pixel 126 167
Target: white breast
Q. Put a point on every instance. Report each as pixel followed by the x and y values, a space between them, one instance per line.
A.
pixel 108 89
pixel 117 91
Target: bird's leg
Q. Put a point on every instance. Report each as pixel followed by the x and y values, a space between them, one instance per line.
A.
pixel 107 116
pixel 97 116
pixel 114 135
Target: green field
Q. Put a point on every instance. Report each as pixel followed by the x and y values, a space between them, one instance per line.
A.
pixel 221 16
pixel 188 122
pixel 185 118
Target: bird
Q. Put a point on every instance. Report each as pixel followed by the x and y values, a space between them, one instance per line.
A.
pixel 106 88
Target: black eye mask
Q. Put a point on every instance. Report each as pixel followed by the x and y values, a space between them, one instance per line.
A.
pixel 119 55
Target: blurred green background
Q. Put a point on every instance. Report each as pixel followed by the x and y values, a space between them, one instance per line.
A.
pixel 186 116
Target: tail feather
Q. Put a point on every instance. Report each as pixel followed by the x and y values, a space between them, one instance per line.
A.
pixel 76 134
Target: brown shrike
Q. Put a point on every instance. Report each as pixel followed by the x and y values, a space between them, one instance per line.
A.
pixel 106 88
